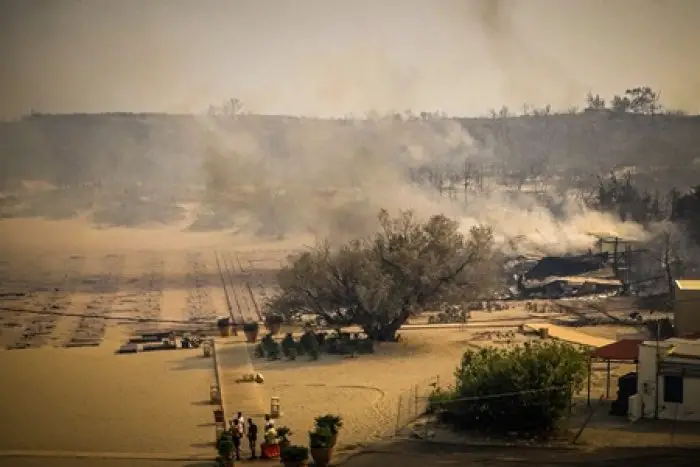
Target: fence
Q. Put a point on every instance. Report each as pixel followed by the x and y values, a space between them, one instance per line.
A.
pixel 405 408
pixel 410 405
pixel 414 402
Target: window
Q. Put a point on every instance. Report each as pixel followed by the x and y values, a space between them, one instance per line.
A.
pixel 673 389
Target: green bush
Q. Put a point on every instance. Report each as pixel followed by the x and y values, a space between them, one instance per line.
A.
pixel 294 454
pixel 273 318
pixel 251 326
pixel 320 437
pixel 224 445
pixel 274 351
pixel 332 422
pixel 523 390
pixel 309 345
pixel 288 344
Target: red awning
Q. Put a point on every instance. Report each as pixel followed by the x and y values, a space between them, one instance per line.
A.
pixel 622 350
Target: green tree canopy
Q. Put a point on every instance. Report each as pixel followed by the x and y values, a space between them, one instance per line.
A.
pixel 524 389
pixel 379 282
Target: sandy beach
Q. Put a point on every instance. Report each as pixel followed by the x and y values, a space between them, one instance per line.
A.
pixel 88 399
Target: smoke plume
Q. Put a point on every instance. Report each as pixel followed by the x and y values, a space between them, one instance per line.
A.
pixel 330 178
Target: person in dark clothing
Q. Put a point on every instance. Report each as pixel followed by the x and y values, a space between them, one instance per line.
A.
pixel 236 433
pixel 252 437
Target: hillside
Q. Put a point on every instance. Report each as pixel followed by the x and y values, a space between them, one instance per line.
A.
pixel 165 149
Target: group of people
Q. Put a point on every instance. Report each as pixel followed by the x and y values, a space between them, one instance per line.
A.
pixel 240 430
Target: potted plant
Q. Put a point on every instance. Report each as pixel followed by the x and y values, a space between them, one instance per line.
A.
pixel 333 422
pixel 283 434
pixel 320 445
pixel 273 322
pixel 224 325
pixel 270 447
pixel 295 456
pixel 225 448
pixel 250 329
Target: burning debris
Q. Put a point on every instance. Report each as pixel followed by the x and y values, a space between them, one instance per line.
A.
pixel 567 266
pixel 566 276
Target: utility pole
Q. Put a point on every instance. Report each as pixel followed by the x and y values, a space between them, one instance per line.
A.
pixel 658 369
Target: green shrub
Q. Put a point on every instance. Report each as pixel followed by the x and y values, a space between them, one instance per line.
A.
pixel 251 326
pixel 273 318
pixel 274 350
pixel 294 454
pixel 223 322
pixel 314 354
pixel 284 433
pixel 309 343
pixel 524 389
pixel 224 445
pixel 332 422
pixel 288 344
pixel 320 437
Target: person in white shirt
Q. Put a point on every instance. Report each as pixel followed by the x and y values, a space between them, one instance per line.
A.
pixel 241 422
pixel 269 422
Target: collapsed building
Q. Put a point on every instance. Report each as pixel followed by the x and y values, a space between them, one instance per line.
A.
pixel 569 276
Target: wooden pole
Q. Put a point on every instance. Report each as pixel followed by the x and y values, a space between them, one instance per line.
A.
pixel 415 400
pixel 398 416
pixel 590 368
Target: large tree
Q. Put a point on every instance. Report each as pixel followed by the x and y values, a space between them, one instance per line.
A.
pixel 379 282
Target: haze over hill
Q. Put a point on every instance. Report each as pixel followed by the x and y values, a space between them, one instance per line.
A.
pixel 284 175
pixel 275 175
pixel 314 57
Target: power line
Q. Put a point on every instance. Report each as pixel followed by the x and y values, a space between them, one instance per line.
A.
pixel 505 394
pixel 96 316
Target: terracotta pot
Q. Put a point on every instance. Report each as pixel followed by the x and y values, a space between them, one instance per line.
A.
pixel 251 336
pixel 274 328
pixel 225 331
pixel 322 456
pixel 270 451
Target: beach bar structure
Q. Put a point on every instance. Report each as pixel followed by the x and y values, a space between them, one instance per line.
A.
pixel 621 351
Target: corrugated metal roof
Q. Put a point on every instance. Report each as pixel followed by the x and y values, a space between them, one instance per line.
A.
pixel 688 284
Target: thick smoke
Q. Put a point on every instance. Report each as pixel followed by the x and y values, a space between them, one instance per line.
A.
pixel 330 179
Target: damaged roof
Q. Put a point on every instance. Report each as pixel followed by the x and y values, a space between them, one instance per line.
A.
pixel 564 266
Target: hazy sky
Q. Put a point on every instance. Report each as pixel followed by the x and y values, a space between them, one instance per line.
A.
pixel 332 57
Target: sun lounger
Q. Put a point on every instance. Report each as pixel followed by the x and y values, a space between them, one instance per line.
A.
pixel 130 348
pixel 83 343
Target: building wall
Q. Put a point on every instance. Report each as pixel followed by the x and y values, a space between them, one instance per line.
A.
pixel 688 410
pixel 687 312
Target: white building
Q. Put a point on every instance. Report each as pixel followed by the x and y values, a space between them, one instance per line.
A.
pixel 676 376
pixel 686 309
